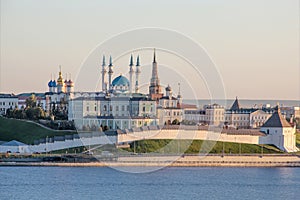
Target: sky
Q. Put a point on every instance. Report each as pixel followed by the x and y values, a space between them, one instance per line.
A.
pixel 254 45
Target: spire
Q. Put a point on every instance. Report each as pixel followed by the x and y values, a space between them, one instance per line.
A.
pixel 137 74
pixel 155 88
pixel 110 61
pixel 131 60
pixel 154 57
pixel 236 105
pixel 138 60
pixel 103 61
pixel 110 73
pixel 179 95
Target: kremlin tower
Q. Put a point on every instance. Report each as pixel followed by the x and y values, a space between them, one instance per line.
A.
pixel 155 91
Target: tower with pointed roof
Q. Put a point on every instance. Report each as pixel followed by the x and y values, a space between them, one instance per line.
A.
pixel 236 105
pixel 280 132
pixel 131 73
pixel 103 72
pixel 155 91
pixel 137 74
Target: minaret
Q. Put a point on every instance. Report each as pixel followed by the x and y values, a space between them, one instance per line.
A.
pixel 137 74
pixel 155 88
pixel 131 74
pixel 110 73
pixel 103 74
pixel 179 97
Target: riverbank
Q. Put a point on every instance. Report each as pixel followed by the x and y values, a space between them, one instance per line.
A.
pixel 179 161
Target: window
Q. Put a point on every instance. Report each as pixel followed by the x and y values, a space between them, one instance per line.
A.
pixel 117 108
pixel 110 108
pixel 104 108
pixel 123 107
pixel 95 108
pixel 87 108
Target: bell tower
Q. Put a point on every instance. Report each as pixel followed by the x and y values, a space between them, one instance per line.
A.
pixel 155 91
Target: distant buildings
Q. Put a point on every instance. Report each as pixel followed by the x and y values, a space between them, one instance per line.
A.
pixel 40 99
pixel 7 101
pixel 236 116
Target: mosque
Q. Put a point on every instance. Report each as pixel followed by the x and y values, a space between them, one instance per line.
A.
pixel 119 104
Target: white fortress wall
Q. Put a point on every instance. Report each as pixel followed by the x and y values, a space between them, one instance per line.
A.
pixel 188 135
pixel 57 145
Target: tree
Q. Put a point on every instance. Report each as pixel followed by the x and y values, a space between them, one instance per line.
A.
pixel 175 122
pixel 31 101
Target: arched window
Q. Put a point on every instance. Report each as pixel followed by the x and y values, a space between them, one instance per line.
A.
pixel 104 108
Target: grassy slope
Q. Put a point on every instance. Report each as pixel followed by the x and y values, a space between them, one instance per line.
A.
pixel 175 146
pixel 12 129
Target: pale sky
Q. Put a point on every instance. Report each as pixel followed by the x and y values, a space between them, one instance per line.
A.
pixel 254 43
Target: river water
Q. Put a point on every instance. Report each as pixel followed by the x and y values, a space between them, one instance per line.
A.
pixel 167 183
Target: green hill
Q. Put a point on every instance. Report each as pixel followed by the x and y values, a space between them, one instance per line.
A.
pixel 196 146
pixel 26 132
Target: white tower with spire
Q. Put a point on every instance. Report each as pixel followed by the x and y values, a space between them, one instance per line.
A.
pixel 179 97
pixel 110 73
pixel 137 74
pixel 131 74
pixel 155 88
pixel 103 72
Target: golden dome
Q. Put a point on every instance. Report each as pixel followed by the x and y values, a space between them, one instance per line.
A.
pixel 60 80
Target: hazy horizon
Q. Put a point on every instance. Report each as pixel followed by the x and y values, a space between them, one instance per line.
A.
pixel 254 44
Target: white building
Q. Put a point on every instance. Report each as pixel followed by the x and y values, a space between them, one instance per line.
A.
pixel 280 132
pixel 259 117
pixel 7 101
pixel 169 108
pixel 214 114
pixel 121 112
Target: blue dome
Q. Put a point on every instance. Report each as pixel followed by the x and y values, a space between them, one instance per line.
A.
pixel 120 80
pixel 50 84
pixel 54 83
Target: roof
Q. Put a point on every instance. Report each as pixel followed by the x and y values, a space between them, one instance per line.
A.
pixel 277 120
pixel 32 93
pixel 13 143
pixel 235 105
pixel 188 106
pixel 120 80
pixel 167 97
pixel 7 95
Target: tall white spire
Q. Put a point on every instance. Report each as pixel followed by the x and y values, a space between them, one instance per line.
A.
pixel 131 74
pixel 110 73
pixel 103 74
pixel 137 74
